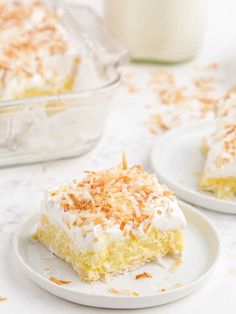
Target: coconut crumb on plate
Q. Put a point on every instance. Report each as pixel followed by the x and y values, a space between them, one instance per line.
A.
pixel 143 275
pixel 59 282
pixel 125 291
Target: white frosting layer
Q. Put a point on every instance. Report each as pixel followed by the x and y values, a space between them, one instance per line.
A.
pixel 169 217
pixel 221 157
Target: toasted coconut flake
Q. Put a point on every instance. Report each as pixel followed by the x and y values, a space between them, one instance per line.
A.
pixel 162 290
pixel 122 225
pixel 137 212
pixel 167 193
pixel 205 84
pixel 95 239
pixel 171 96
pixel 128 292
pixel 117 196
pixel 143 275
pixel 162 76
pixel 59 282
pixel 157 122
pixel 132 236
pixel 147 226
pixel 124 161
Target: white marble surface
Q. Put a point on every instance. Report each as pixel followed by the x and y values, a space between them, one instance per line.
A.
pixel 21 189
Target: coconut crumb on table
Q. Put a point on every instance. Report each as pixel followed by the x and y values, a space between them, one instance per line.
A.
pixel 161 76
pixel 143 275
pixel 59 282
pixel 128 80
pixel 171 95
pixel 205 84
pixel 175 98
pixel 157 123
pixel 125 291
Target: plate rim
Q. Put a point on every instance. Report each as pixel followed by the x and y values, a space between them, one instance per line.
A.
pixel 37 278
pixel 195 197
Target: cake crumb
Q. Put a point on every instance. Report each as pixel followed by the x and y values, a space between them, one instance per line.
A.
pixel 59 282
pixel 175 265
pixel 2 299
pixel 143 275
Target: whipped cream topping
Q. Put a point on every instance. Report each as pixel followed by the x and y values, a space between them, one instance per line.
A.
pixel 221 157
pixel 35 48
pixel 112 204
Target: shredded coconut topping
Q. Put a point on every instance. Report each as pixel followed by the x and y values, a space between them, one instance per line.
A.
pixel 123 196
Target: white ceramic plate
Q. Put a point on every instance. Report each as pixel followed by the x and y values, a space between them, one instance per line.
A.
pixel 177 159
pixel 197 266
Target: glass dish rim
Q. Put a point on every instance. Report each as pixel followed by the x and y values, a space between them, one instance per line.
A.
pixel 63 96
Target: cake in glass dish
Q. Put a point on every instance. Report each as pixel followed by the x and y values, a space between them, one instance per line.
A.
pixel 219 175
pixel 111 222
pixel 58 75
pixel 38 56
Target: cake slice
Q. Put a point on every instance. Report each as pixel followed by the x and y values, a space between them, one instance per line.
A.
pixel 219 175
pixel 111 222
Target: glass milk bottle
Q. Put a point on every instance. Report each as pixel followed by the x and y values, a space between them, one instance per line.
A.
pixel 158 30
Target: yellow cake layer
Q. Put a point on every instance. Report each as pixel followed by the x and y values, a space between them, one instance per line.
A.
pixel 221 187
pixel 53 89
pixel 50 107
pixel 115 257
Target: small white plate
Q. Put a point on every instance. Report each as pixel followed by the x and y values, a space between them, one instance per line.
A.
pixel 198 264
pixel 177 160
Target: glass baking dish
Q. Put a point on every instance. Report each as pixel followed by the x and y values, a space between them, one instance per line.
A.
pixel 65 125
